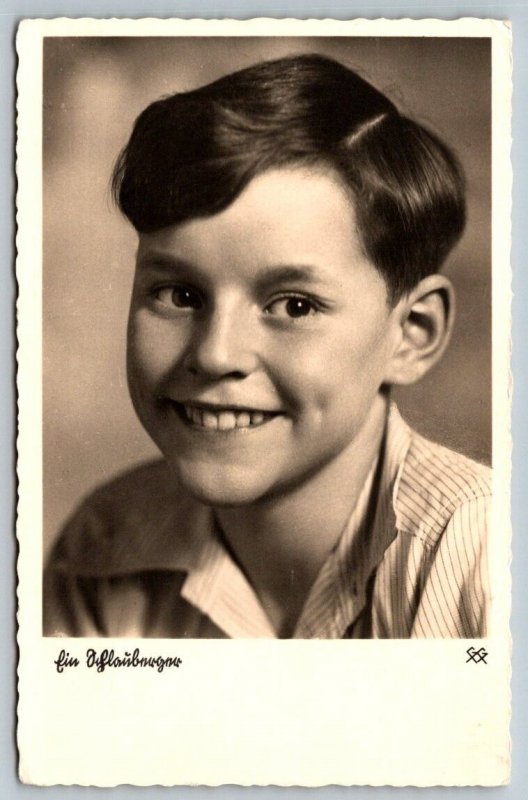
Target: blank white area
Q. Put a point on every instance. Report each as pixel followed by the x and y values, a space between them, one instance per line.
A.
pixel 267 712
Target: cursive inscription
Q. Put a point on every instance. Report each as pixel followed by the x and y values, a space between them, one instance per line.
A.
pixel 64 660
pixel 108 659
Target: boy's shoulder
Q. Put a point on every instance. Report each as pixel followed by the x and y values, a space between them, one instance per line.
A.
pixel 133 520
pixel 458 475
pixel 435 483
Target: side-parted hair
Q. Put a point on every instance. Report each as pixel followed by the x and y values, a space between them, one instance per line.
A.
pixel 191 154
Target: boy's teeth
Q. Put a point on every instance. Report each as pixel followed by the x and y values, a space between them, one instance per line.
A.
pixel 209 420
pixel 226 421
pixel 243 420
pixel 223 420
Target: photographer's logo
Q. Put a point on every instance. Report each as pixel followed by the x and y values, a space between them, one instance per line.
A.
pixel 477 655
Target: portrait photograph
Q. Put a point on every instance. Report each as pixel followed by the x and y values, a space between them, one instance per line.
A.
pixel 264 393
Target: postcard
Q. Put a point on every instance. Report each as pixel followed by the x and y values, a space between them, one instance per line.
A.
pixel 263 376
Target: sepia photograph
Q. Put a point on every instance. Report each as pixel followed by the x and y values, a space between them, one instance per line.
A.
pixel 296 221
pixel 263 377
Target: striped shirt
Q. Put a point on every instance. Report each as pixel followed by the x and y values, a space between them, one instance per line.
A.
pixel 140 558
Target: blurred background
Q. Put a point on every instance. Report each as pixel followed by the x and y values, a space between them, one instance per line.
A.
pixel 94 88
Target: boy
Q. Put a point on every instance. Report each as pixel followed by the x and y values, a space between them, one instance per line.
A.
pixel 291 227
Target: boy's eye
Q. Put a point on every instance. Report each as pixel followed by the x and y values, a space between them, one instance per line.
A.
pixel 179 297
pixel 292 307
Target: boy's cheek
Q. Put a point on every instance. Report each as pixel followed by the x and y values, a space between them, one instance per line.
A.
pixel 348 366
pixel 152 351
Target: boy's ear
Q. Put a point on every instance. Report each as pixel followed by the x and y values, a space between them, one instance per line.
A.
pixel 425 317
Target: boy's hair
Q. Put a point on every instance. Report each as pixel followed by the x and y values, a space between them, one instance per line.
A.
pixel 191 154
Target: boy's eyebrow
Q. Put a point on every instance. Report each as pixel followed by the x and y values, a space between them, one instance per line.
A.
pixel 161 261
pixel 286 273
pixel 265 278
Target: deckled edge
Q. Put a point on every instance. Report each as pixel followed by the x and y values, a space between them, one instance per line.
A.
pixel 49 28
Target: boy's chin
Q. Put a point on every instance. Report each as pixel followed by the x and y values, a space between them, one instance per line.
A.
pixel 222 487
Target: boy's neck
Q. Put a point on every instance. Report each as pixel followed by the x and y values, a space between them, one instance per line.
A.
pixel 282 543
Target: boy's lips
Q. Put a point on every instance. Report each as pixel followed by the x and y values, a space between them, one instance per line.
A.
pixel 216 417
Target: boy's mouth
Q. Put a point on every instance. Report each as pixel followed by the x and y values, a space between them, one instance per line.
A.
pixel 221 419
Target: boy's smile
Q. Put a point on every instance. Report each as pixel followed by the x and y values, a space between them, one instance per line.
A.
pixel 259 339
pixel 221 418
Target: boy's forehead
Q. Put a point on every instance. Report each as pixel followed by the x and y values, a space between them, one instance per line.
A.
pixel 299 214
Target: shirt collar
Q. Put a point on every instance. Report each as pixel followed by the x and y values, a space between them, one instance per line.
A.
pixel 339 594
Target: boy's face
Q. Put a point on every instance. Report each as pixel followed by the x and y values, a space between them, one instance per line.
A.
pixel 258 338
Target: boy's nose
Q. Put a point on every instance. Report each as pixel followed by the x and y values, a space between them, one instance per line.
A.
pixel 222 345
